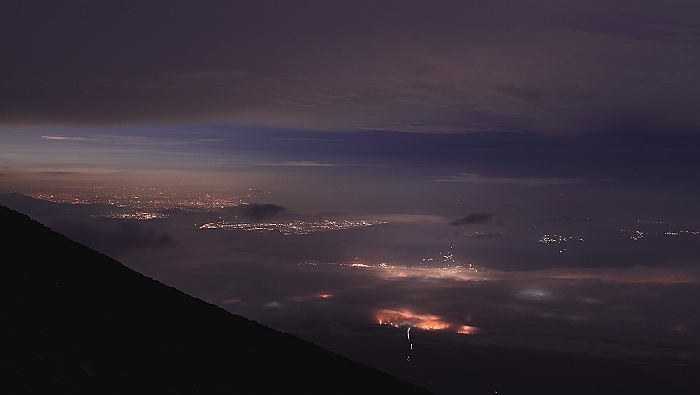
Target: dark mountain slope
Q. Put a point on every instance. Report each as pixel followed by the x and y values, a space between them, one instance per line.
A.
pixel 74 320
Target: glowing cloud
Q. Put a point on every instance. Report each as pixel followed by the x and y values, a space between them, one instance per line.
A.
pixel 62 138
pixel 467 330
pixel 631 275
pixel 404 318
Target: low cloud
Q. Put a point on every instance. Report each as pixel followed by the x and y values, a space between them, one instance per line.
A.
pixel 564 69
pixel 631 275
pixel 410 218
pixel 634 312
pixel 475 218
pixel 113 240
pixel 260 211
pixel 530 181
pixel 353 279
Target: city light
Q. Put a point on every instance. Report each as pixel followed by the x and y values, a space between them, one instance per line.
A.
pixel 296 227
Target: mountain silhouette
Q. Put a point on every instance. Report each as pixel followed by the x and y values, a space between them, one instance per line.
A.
pixel 73 320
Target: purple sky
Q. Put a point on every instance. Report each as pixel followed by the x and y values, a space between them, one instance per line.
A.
pixel 507 119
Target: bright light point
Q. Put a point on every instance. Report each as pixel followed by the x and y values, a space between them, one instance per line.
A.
pixel 324 296
pixel 359 265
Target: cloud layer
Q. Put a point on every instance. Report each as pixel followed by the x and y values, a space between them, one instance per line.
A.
pixel 475 218
pixel 415 67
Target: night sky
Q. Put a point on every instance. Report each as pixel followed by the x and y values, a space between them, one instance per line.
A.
pixel 482 132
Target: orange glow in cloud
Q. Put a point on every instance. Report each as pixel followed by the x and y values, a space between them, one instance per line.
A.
pixel 467 330
pixel 631 275
pixel 360 265
pixel 401 318
pixel 304 298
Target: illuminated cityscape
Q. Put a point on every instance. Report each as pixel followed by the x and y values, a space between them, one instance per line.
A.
pixel 138 215
pixel 141 198
pixel 679 232
pixel 556 239
pixel 296 227
pixel 638 234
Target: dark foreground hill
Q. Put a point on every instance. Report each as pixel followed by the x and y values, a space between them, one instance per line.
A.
pixel 75 321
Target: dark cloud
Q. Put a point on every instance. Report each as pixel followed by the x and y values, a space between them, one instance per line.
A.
pixel 113 239
pixel 417 67
pixel 260 211
pixel 59 173
pixel 475 218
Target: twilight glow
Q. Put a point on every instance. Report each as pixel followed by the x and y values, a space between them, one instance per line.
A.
pixel 523 172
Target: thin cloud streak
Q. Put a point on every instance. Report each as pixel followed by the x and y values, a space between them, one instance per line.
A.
pixel 303 163
pixel 530 182
pixel 62 138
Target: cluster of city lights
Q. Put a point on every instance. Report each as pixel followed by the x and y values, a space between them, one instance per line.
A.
pixel 638 234
pixel 679 232
pixel 141 198
pixel 296 227
pixel 556 239
pixel 468 271
pixel 139 215
pixel 428 322
pixel 481 233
